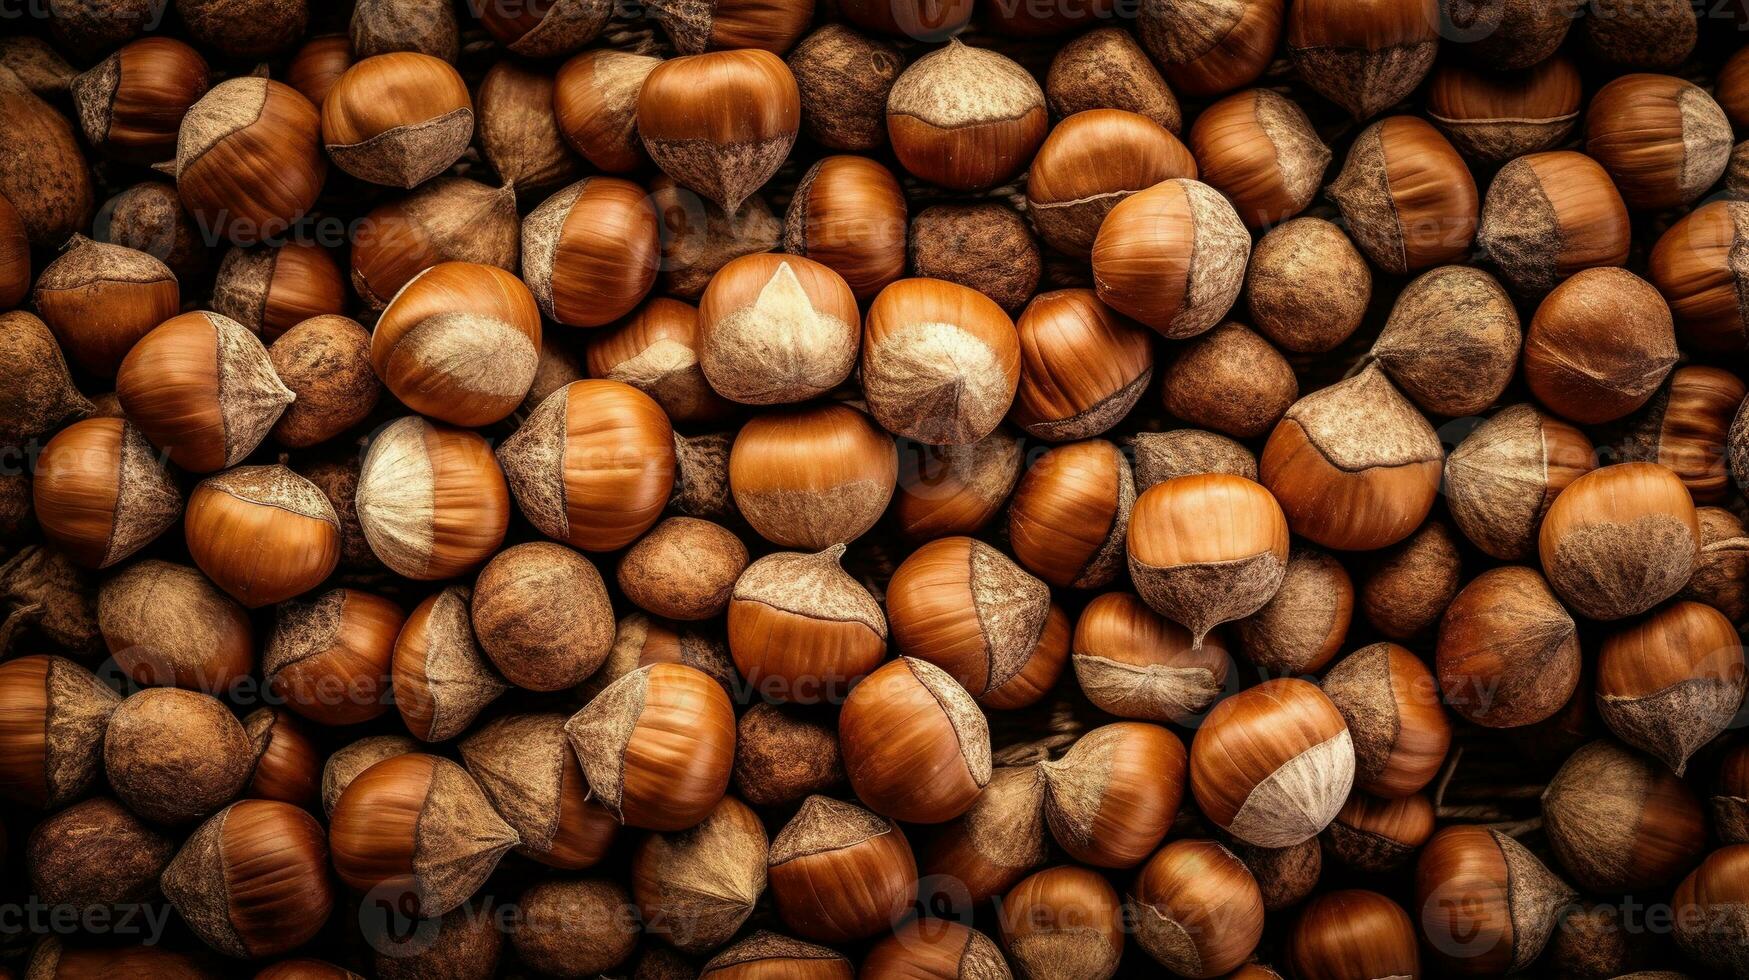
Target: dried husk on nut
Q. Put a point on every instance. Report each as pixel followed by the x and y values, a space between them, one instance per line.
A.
pixel 696 887
pixel 36 63
pixel 999 839
pixel 1134 663
pixel 844 77
pixel 42 171
pixel 45 591
pixel 167 624
pixel 518 132
pixel 1102 778
pixel 174 756
pixel 564 27
pixel 698 238
pixel 1285 875
pixel 1669 683
pixel 1502 478
pixel 783 755
pixel 385 26
pixel 1106 69
pixel 1535 898
pixel 811 586
pixel 349 760
pixel 1617 821
pixel 777 951
pixel 36 392
pixel 408 153
pixel 446 219
pixel 1452 340
pixel 1407 588
pixel 986 246
pixel 640 640
pixel 442 679
pixel 1360 77
pixel 250 396
pixel 1304 623
pixel 683 568
pixel 1377 836
pixel 521 763
pixel 96 854
pixel 78 708
pixel 1161 456
pixel 100 299
pixel 785 345
pixel 701 476
pixel 199 881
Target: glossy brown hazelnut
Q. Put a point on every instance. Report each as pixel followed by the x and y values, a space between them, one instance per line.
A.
pixel 1721 576
pixel 36 391
pixel 431 500
pixel 720 123
pixel 1685 428
pixel 441 679
pixel 1619 540
pixel 95 854
pixel 595 101
pixel 165 624
pixel 43 175
pixel 1082 366
pixel 1070 512
pixel 1106 69
pixel 287 762
pixel 385 26
pixel 965 118
pixel 945 490
pixel 1669 683
pixel 1305 622
pixel 131 103
pixel 346 762
pixel 1307 287
pixel 1691 267
pixel 656 350
pixel 1486 905
pixel 1408 198
pixel 249 159
pixel 1064 921
pixel 1390 701
pixel 53 713
pixel 1494 117
pixel 814 476
pixel 589 252
pixel 252 880
pixel 1618 822
pixel 100 300
pixel 100 492
pixel 1501 479
pixel 15 277
pixel 1230 380
pixel 593 465
pixel 683 568
pixel 1663 141
pixel 540 612
pixel 1709 905
pixel 1206 48
pixel 544 30
pixel 916 746
pixel 776 328
pixel 272 288
pixel 262 533
pixel 398 119
pixel 518 130
pixel 1406 588
pixel 1376 836
pixel 1549 215
pixel 982 853
pixel 764 952
pixel 324 362
pixel 1365 58
pixel 1091 161
pixel 694 889
pixel 838 872
pixel 416 829
pixel 1452 341
pixel 174 756
pixel 447 219
pixel 844 77
pixel 987 247
pixel 783 755
pixel 1197 909
pixel 940 362
pixel 1350 489
pixel 1258 148
pixel 1206 549
pixel 1352 930
pixel 318 64
pixel 1111 798
pixel 937 949
pixel 802 630
pixel 1273 764
pixel 657 746
pixel 525 767
pixel 305 968
pixel 1134 663
pixel 1508 652
pixel 1148 275
pixel 849 214
pixel 328 659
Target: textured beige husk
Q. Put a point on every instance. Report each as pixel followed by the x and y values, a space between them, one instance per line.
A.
pixel 936 382
pixel 711 877
pixel 844 77
pixel 725 172
pixel 94 98
pixel 1716 939
pixel 227 107
pixel 79 706
pixel 1108 560
pixel 1365 851
pixel 301 630
pixel 1360 687
pixel 541 232
pixel 1005 825
pixel 1534 898
pixel 814 586
pixel 1365 422
pixel 701 476
pixel 1592 811
pixel 1607 570
pixel 519 762
pixel 1299 152
pixel 1495 482
pixel 36 63
pixel 457 841
pixel 824 824
pixel 197 883
pixel 459 679
pixel 1104 414
pixel 778 348
pixel 1706 141
pixel 1219 251
pixel 1161 456
pixel 1673 724
pixel 1363 192
pixel 533 460
pixel 1065 950
pixel 1152 692
pixel 385 26
pixel 600 732
pixel 407 156
pixel 147 501
pixel 1365 81
pixel 275 486
pixel 1731 818
pixel 567 27
pixel 1495 140
pixel 959 86
pixel 1300 798
pixel 36 389
pixel 1452 340
pixel 763 945
pixel 476 354
pixel 251 396
pixel 1011 607
pixel 1203 595
pixel 1520 231
pixel 970 727
pixel 349 760
pixel 981 959
pixel 1288 632
pixel 460 220
pixel 241 286
pixel 843 513
pixel 667 371
pixel 1285 875
pixel 1075 785
pixel 396 494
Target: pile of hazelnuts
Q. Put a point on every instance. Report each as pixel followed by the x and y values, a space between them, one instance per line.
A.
pixel 899 488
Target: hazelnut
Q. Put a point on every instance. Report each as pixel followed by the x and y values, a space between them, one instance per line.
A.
pixel 15 275
pixel 1390 701
pixel 1692 268
pixel 1670 682
pixel 802 630
pixel 55 714
pixel 640 641
pixel 92 28
pixel 987 247
pixel 657 746
pixel 1617 822
pixel 1069 515
pixel 1508 35
pixel 1709 905
pixel 44 588
pixel 397 119
pixel 545 31
pixel 1549 215
pixel 1151 277
pixel 1378 836
pixel 262 533
pixel 385 26
pixel 100 492
pixel 1619 540
pixel 337 478
pixel 915 745
pixel 1493 117
pixel 844 78
pixel 1487 904
pixel 38 64
pixel 1452 341
pixel 1732 88
pixel 940 362
pixel 465 944
pixel 287 763
pixel 249 159
pixel 698 238
pixel 1406 588
pixel 1160 456
pixel 1106 69
pixel 782 755
pixel 447 219
pixel 1307 286
pixel 849 214
pixel 1502 478
pixel 36 392
pixel 934 948
pixel 839 873
pixel 656 350
pixel 148 217
pixel 945 490
pixel 812 477
pixel 252 881
pixel 1349 488
pixel 962 606
pixel 595 104
pixel 344 765
pixel 997 841
pixel 1208 47
pixel 1684 427
pixel 915 19
pixel 247 30
pixel 131 103
pixel 525 767
pixel 96 854
pixel 720 123
pixel 1258 148
pixel 325 363
pixel 1353 930
pixel 592 465
pixel 1364 58
pixel 1305 622
pixel 1064 921
pixel 541 614
pixel 518 129
pixel 1230 380
pixel 1134 663
pixel 50 958
pixel 1408 198
pixel 42 173
pixel 697 25
pixel 763 950
pixel 1664 141
pixel 1508 653
pixel 1197 909
pixel 590 252
pixel 1208 549
pixel 416 829
pixel 1273 764
pixel 694 889
pixel 318 64
pixel 1285 875
pixel 1082 366
pixel 1721 576
pixel 328 658
pixel 272 288
pixel 441 679
pixel 774 329
pixel 965 118
pixel 684 568
pixel 1730 798
pixel 167 625
pixel 1656 34
pixel 1088 164
pixel 174 756
pixel 100 300
pixel 1111 798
